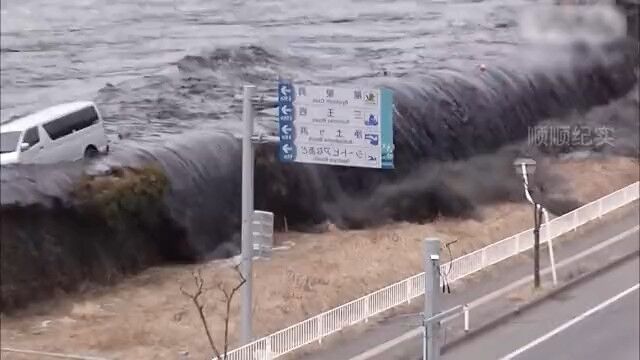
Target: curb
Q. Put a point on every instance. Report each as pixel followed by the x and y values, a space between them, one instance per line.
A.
pixel 472 334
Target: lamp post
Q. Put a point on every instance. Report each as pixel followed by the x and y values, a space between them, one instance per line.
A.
pixel 527 167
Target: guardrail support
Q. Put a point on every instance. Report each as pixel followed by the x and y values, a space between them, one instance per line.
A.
pixel 367 311
pixel 599 208
pixel 268 348
pixel 320 332
pixel 408 291
pixel 465 308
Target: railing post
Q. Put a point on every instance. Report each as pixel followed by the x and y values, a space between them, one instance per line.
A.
pixel 320 328
pixel 599 208
pixel 484 257
pixel 366 309
pixel 268 348
pixel 408 291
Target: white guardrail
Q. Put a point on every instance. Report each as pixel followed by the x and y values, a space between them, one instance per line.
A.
pixel 402 292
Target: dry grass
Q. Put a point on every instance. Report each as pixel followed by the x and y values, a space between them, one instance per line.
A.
pixel 598 178
pixel 146 317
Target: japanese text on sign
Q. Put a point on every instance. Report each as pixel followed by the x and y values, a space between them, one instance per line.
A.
pixel 335 126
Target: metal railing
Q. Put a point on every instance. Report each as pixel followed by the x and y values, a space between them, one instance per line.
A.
pixel 359 310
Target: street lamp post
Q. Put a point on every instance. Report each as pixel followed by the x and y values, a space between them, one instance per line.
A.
pixel 527 167
pixel 537 215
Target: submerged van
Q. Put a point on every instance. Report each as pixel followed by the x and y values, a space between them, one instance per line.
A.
pixel 65 132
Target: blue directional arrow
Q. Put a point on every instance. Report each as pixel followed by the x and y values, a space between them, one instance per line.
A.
pixel 285 110
pixel 285 90
pixel 286 132
pixel 287 152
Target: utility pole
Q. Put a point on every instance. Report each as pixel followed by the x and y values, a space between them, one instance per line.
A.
pixel 527 167
pixel 430 346
pixel 537 215
pixel 246 256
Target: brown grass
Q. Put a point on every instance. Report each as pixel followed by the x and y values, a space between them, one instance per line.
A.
pixel 146 316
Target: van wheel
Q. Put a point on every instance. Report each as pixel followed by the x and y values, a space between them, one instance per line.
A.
pixel 90 152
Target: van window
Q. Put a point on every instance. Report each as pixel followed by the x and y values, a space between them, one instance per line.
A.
pixel 31 137
pixel 72 122
pixel 9 141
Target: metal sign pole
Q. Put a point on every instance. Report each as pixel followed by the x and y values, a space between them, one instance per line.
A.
pixel 523 169
pixel 432 281
pixel 552 258
pixel 246 267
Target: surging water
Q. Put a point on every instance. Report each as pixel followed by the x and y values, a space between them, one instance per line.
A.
pixel 165 74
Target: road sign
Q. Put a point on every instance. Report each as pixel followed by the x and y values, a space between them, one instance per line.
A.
pixel 336 126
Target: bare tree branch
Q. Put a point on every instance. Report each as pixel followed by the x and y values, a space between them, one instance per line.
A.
pixel 195 298
pixel 229 298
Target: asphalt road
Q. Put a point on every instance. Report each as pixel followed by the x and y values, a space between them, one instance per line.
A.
pixel 362 342
pixel 597 319
pixel 609 334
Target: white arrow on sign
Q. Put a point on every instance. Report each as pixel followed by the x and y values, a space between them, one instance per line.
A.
pixel 284 90
pixel 286 148
pixel 286 129
pixel 285 110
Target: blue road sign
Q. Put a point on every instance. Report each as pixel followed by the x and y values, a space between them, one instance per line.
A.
pixel 285 121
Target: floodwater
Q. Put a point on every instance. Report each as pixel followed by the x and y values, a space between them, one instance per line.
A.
pixel 163 66
pixel 469 76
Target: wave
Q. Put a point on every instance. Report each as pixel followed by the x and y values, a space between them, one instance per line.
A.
pixel 446 116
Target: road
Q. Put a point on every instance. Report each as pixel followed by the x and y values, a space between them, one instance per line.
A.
pixel 610 334
pixel 598 319
pixel 379 338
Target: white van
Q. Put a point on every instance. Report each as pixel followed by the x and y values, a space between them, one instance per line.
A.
pixel 65 132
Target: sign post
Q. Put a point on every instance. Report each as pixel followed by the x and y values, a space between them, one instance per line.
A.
pixel 318 125
pixel 335 126
pixel 246 265
pixel 430 348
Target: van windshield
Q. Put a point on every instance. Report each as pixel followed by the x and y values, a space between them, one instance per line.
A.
pixel 9 141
